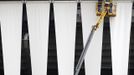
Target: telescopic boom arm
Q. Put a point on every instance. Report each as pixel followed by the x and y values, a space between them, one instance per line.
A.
pixel 105 11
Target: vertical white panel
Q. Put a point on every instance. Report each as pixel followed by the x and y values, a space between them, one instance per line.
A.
pixel 65 21
pixel 11 21
pixel 38 21
pixel 120 37
pixel 93 56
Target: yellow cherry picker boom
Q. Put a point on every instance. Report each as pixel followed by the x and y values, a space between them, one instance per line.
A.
pixel 103 8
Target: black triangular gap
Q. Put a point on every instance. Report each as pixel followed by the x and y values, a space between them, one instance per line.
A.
pixel 131 50
pixel 25 47
pixel 79 40
pixel 1 55
pixel 52 66
pixel 106 63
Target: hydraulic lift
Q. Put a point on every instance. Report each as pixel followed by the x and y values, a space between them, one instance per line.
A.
pixel 104 8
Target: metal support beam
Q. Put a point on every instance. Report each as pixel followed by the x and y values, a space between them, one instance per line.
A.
pixel 62 0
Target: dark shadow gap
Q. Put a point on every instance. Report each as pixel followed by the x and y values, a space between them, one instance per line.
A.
pixel 79 40
pixel 106 62
pixel 52 64
pixel 131 50
pixel 25 47
pixel 1 55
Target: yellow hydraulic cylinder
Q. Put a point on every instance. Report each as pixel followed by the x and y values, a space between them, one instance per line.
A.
pixel 101 18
